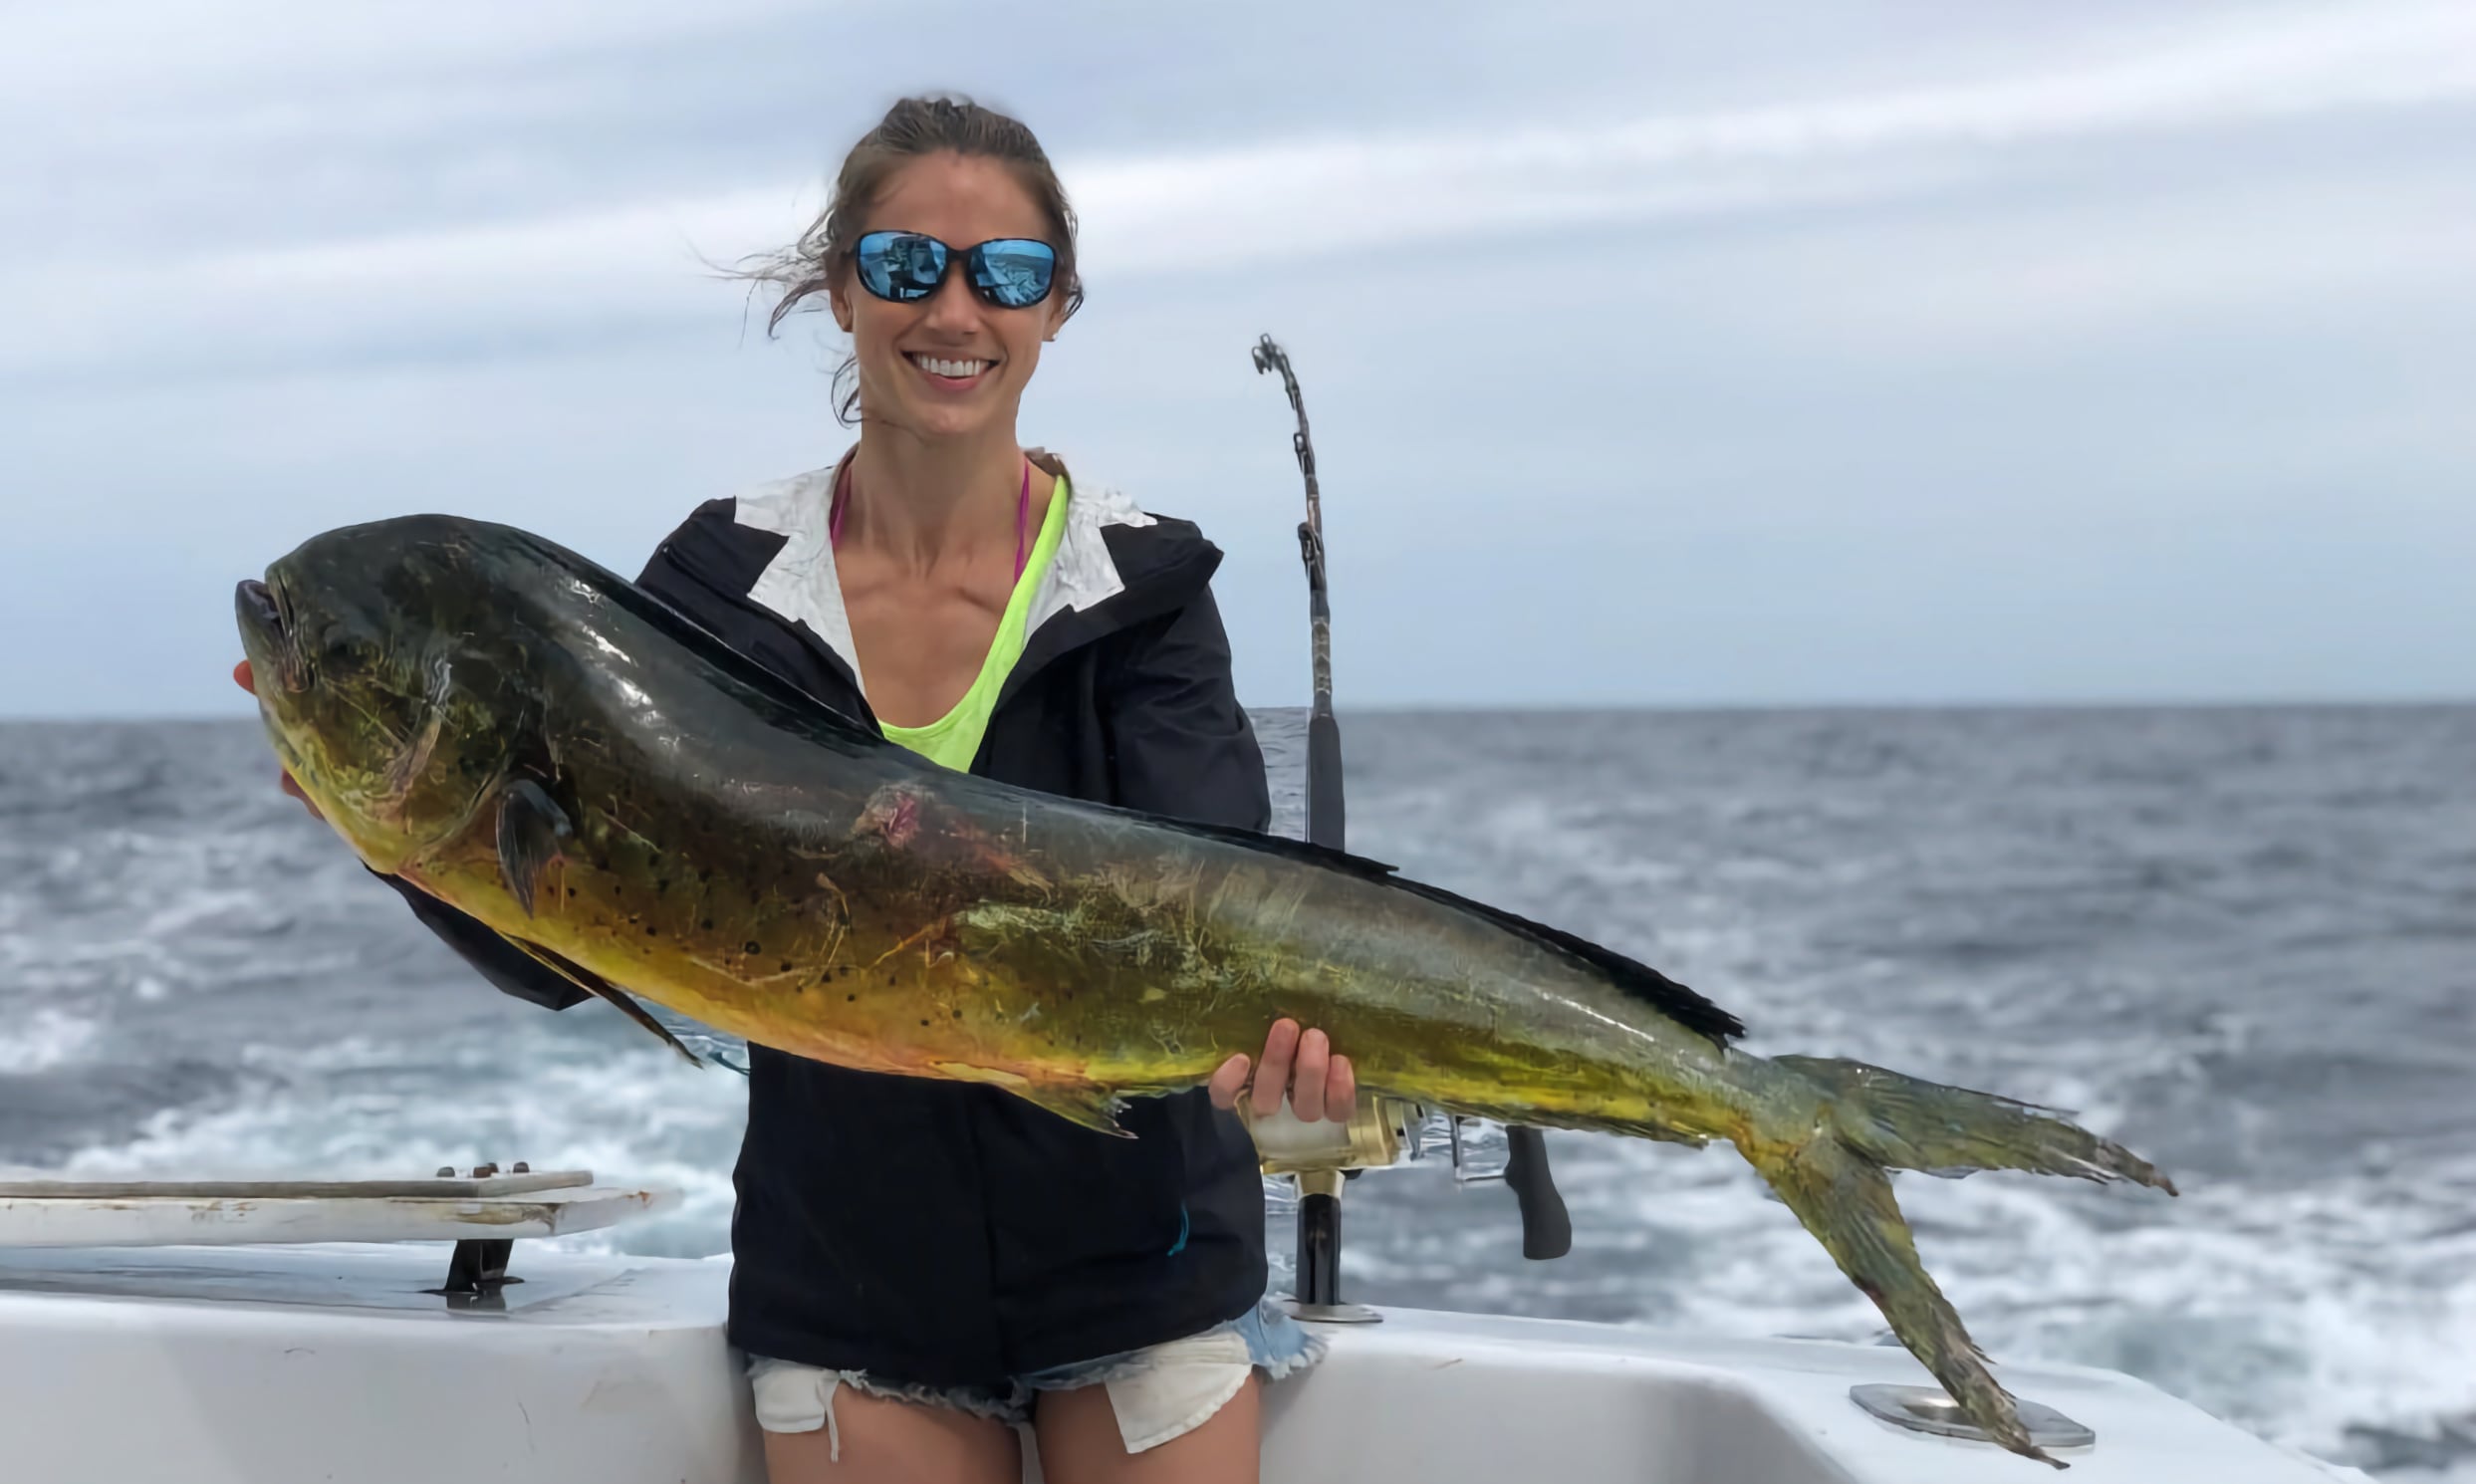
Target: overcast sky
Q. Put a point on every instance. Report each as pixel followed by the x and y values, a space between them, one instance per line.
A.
pixel 1659 353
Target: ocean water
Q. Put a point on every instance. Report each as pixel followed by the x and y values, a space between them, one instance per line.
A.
pixel 2243 941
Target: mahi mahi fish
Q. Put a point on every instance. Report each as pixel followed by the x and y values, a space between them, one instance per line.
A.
pixel 556 752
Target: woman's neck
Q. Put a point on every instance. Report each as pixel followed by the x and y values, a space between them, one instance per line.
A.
pixel 924 505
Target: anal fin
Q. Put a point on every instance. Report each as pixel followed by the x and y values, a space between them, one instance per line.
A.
pixel 1091 1107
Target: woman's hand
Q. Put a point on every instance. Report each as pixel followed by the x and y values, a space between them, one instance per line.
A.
pixel 1320 1085
pixel 242 678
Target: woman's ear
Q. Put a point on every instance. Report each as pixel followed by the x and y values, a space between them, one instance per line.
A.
pixel 841 299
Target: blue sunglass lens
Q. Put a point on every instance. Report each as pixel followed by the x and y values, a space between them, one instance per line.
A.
pixel 1014 272
pixel 901 266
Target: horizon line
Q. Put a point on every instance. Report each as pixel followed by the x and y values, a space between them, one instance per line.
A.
pixel 2437 702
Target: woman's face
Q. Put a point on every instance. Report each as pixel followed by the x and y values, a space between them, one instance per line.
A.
pixel 962 202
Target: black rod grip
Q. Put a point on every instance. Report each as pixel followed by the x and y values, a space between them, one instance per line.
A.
pixel 1547 1231
pixel 1320 1249
pixel 1327 824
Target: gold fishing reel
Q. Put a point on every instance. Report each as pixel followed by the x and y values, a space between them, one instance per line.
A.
pixel 1319 1157
pixel 1380 1131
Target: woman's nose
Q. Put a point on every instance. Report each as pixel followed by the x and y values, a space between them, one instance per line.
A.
pixel 954 305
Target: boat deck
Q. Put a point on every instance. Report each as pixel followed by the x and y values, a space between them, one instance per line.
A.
pixel 313 1363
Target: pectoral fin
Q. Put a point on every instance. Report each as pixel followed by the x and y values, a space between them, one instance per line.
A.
pixel 593 984
pixel 531 830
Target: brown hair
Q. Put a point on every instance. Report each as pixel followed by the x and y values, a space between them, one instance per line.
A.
pixel 912 128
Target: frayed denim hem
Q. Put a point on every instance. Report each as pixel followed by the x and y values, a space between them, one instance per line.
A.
pixel 1152 1404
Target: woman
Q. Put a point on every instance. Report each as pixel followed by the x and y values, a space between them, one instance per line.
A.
pixel 919 1264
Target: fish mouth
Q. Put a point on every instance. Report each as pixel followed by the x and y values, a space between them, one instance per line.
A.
pixel 266 628
pixel 255 603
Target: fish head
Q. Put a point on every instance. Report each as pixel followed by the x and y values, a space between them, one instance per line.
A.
pixel 390 675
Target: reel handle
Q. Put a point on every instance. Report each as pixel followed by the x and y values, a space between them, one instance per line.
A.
pixel 1547 1229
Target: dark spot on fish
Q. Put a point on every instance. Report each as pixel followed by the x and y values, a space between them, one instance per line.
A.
pixel 924 1022
pixel 850 999
pixel 661 885
pixel 707 924
pixel 890 976
pixel 651 931
pixel 750 945
pixel 958 1014
pixel 786 966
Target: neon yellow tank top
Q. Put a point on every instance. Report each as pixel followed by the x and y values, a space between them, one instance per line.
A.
pixel 953 740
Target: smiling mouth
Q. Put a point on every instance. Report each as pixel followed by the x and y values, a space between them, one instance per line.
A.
pixel 953 370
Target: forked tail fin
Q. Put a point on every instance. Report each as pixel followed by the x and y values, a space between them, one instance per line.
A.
pixel 1832 1174
pixel 1844 1199
pixel 1905 1124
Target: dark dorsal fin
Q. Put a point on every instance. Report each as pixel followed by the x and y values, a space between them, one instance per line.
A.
pixel 1631 975
pixel 1635 978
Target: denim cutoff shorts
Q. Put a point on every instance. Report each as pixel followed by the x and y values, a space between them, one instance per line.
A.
pixel 1159 1392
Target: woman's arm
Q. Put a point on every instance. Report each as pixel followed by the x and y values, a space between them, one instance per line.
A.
pixel 1179 743
pixel 507 968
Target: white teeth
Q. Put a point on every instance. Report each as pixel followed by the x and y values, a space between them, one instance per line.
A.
pixel 955 369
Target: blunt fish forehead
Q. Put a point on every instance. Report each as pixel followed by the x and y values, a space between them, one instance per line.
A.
pixel 422 546
pixel 378 582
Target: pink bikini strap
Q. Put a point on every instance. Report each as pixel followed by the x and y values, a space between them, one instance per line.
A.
pixel 1023 518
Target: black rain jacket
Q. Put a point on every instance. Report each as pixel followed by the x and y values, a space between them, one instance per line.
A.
pixel 947 1233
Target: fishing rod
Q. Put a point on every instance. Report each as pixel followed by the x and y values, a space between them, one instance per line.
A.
pixel 1546 1230
pixel 1325 813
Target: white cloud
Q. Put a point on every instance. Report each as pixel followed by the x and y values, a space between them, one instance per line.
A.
pixel 2046 284
pixel 1247 205
pixel 2156 260
pixel 566 272
pixel 1248 201
pixel 65 53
